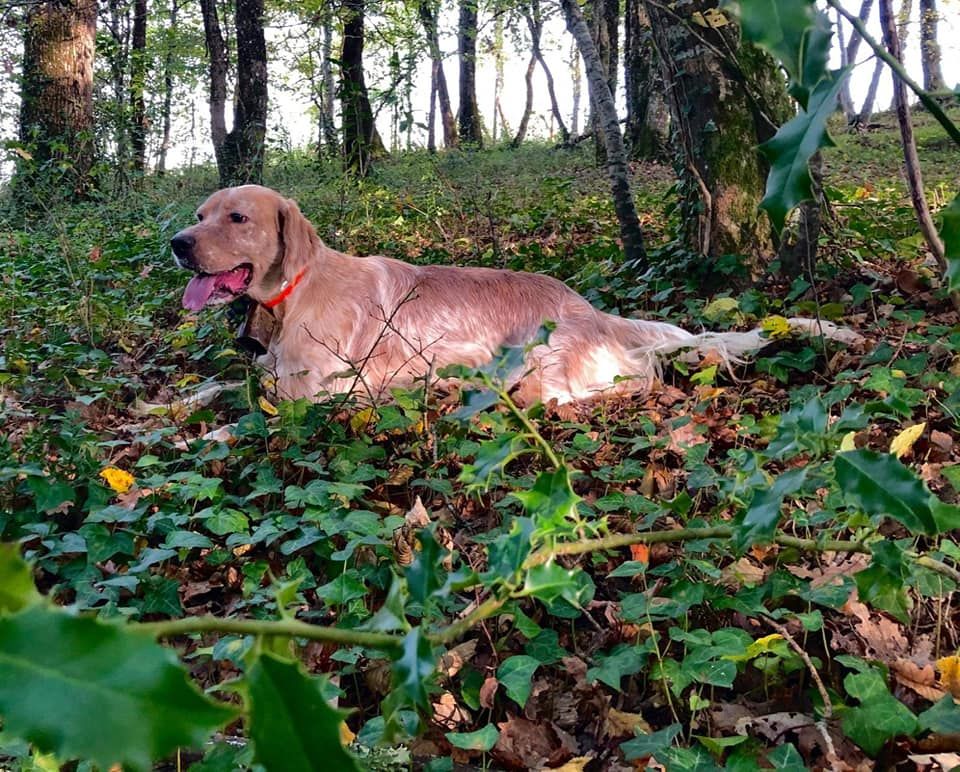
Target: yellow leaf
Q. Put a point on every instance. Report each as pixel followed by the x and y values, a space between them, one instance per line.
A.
pixel 267 406
pixel 577 764
pixel 847 443
pixel 715 18
pixel 360 420
pixel 346 736
pixel 949 668
pixel 117 479
pixel 721 308
pixel 776 326
pixel 23 154
pixel 904 441
pixel 898 374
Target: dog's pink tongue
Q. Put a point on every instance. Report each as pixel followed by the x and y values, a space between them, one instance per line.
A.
pixel 198 291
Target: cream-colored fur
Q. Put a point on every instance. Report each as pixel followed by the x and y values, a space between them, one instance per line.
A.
pixel 366 324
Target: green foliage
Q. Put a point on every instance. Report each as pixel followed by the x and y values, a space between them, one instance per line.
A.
pixel 950 233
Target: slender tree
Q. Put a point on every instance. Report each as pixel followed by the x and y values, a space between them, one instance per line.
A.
pixel 361 141
pixel 533 15
pixel 850 57
pixel 138 77
pixel 217 97
pixel 468 117
pixel 866 109
pixel 167 105
pixel 617 169
pixel 246 141
pixel 56 113
pixel 604 21
pixel 930 46
pixel 427 10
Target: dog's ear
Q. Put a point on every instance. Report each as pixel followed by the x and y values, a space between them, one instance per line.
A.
pixel 299 241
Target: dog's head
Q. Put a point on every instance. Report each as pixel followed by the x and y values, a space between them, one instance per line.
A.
pixel 247 241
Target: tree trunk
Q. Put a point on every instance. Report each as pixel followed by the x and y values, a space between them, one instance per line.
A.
pixel 328 129
pixel 930 46
pixel 866 110
pixel 534 18
pixel 616 155
pixel 718 124
pixel 470 122
pixel 853 45
pixel 576 77
pixel 604 17
pixel 217 52
pixel 528 105
pixel 645 136
pixel 138 77
pixel 167 89
pixel 246 140
pixel 798 249
pixel 360 138
pixel 892 43
pixel 56 113
pixel 428 17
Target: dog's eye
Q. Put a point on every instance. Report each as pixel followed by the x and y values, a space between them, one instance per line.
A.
pixel 237 217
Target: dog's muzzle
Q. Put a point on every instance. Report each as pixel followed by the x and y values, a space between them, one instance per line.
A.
pixel 182 245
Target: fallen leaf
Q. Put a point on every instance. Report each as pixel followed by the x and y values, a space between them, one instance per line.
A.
pixel 904 442
pixel 117 479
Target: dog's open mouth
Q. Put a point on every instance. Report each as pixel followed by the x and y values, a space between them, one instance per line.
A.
pixel 212 288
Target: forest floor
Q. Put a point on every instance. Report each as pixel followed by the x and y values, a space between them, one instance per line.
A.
pixel 717 652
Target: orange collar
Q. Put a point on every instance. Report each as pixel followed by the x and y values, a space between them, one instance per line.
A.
pixel 284 293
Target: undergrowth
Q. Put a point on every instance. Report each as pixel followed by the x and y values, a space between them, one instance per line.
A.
pixel 730 572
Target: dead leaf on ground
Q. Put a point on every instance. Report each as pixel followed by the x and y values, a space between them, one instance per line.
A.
pixel 621 724
pixel 453 660
pixel 525 744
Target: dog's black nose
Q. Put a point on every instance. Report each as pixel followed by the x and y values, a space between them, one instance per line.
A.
pixel 182 246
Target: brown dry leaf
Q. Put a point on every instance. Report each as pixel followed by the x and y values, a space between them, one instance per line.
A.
pixel 640 553
pixel 684 437
pixel 949 668
pixel 448 714
pixel 773 726
pixel 919 679
pixel 453 661
pixel 400 476
pixel 743 573
pixel 487 692
pixel 620 724
pixel 417 517
pixel 525 744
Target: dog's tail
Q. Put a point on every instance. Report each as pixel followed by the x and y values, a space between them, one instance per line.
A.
pixel 649 342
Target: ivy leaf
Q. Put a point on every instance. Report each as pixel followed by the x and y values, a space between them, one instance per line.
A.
pixel 77 687
pixel 17 590
pixel 763 514
pixel 950 233
pixel 880 716
pixel 481 740
pixel 790 149
pixel 653 744
pixel 943 718
pixel 492 456
pixel 292 726
pixel 516 674
pixel 882 583
pixel 881 486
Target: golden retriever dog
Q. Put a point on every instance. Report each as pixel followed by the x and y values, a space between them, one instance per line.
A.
pixel 366 324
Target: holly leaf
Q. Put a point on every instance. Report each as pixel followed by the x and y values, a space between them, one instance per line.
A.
pixel 414 667
pixel 763 514
pixel 882 583
pixel 790 149
pixel 881 486
pixel 793 32
pixel 950 233
pixel 78 687
pixel 292 726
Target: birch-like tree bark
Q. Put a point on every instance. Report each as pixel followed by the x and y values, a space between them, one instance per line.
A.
pixel 930 46
pixel 609 122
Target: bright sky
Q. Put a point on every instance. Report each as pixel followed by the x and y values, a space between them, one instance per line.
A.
pixel 290 113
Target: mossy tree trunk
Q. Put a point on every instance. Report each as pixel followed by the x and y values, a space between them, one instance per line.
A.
pixel 930 46
pixel 646 133
pixel 603 18
pixel 56 113
pixel 138 77
pixel 726 97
